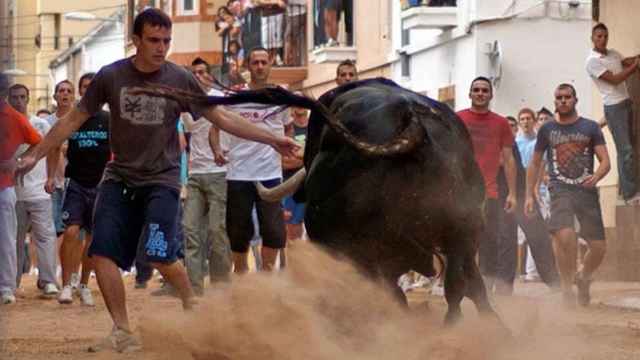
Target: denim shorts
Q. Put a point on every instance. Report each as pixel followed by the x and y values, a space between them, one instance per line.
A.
pixel 570 202
pixel 77 208
pixel 125 215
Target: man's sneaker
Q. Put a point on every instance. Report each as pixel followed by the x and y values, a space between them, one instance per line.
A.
pixel 119 340
pixel 583 285
pixel 66 295
pixel 50 290
pixel 634 200
pixel 85 295
pixel 7 297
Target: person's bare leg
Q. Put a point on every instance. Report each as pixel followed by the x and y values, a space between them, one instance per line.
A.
pixel 112 290
pixel 330 24
pixel 240 262
pixel 176 275
pixel 269 256
pixel 565 248
pixel 87 262
pixel 69 253
pixel 593 257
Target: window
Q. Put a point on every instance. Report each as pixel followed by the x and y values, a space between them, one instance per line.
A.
pixel 405 61
pixel 188 7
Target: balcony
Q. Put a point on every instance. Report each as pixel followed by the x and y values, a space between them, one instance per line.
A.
pixel 333 54
pixel 279 29
pixel 429 14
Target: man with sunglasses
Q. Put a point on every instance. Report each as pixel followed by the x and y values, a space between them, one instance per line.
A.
pixel 492 143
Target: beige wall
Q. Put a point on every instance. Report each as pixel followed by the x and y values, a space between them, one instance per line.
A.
pixel 372 38
pixel 619 16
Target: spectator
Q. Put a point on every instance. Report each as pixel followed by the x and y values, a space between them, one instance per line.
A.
pixel 295 47
pixel 492 140
pixel 43 113
pixel 33 206
pixel 15 130
pixel 346 72
pixel 570 143
pixel 609 71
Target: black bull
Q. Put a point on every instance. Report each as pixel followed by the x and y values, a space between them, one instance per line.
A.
pixel 391 181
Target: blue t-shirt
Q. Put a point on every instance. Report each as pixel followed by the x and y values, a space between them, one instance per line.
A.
pixel 570 149
pixel 526 146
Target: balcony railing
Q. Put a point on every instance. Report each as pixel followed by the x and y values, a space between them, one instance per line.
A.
pixel 282 31
pixel 429 14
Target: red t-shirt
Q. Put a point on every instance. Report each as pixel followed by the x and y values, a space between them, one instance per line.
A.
pixel 15 130
pixel 490 133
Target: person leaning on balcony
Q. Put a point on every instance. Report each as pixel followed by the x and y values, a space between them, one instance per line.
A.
pixel 609 71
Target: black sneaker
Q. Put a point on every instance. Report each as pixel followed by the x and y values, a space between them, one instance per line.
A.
pixel 584 298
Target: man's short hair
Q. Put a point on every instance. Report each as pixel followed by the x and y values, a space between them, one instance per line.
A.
pixel 200 61
pixel 55 90
pixel 511 119
pixel 599 26
pixel 89 75
pixel 482 78
pixel 545 111
pixel 527 111
pixel 255 49
pixel 153 17
pixel 18 86
pixel 568 86
pixel 347 62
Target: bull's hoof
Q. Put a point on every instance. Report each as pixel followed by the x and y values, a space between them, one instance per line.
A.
pixel 452 318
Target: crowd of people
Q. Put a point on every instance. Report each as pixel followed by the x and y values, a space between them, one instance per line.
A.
pixel 272 24
pixel 85 181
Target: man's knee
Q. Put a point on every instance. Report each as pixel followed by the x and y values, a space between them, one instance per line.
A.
pixel 72 232
pixel 598 247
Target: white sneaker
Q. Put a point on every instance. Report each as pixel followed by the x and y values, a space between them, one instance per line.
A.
pixel 7 297
pixel 85 295
pixel 66 295
pixel 634 200
pixel 50 289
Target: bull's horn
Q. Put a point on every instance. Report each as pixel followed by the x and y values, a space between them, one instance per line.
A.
pixel 413 135
pixel 287 188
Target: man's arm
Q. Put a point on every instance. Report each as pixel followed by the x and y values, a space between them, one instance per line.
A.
pixel 533 176
pixel 61 131
pixel 214 143
pixel 237 125
pixel 511 174
pixel 616 79
pixel 629 60
pixel 603 168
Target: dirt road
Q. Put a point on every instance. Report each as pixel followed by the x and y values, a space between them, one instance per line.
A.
pixel 312 313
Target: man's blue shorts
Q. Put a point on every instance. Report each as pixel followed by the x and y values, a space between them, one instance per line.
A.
pixel 125 215
pixel 296 209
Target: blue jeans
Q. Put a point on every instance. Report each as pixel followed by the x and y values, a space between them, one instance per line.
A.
pixel 619 118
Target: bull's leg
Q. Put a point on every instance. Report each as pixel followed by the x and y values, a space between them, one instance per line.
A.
pixel 454 288
pixel 476 290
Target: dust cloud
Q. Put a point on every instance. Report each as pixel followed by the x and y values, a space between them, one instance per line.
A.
pixel 321 308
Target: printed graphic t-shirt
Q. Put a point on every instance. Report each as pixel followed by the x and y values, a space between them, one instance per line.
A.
pixel 250 160
pixel 15 130
pixel 570 150
pixel 144 135
pixel 490 133
pixel 89 151
pixel 33 186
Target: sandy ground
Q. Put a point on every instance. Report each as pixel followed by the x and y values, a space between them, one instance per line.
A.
pixel 313 314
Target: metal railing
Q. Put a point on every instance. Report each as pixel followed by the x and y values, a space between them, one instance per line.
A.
pixel 282 31
pixel 407 4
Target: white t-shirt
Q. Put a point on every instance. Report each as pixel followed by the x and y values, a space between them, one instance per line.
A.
pixel 35 179
pixel 201 157
pixel 598 64
pixel 250 160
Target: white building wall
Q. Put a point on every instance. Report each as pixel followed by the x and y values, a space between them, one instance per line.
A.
pixel 104 49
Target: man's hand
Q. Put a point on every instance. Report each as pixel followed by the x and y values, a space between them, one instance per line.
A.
pixel 24 164
pixel 50 186
pixel 590 181
pixel 286 146
pixel 510 203
pixel 220 157
pixel 529 206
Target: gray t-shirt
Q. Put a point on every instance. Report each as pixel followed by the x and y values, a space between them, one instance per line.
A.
pixel 144 136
